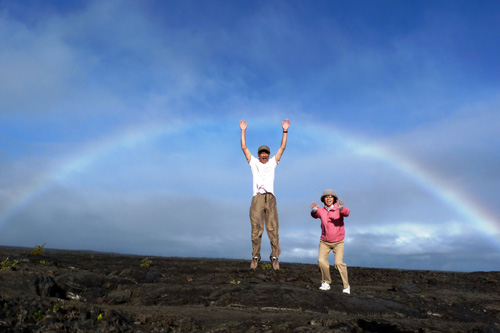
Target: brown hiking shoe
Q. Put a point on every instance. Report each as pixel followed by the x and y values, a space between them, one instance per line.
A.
pixel 255 263
pixel 276 264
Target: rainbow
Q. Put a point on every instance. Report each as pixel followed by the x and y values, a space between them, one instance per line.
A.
pixel 129 137
pixel 435 184
pixel 84 157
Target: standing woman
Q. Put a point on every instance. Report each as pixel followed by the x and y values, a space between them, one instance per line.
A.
pixel 332 237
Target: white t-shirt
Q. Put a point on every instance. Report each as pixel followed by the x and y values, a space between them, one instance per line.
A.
pixel 263 175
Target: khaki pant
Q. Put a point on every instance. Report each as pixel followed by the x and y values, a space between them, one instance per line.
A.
pixel 324 266
pixel 263 210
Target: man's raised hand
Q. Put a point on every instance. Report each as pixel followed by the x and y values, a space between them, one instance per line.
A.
pixel 243 125
pixel 285 124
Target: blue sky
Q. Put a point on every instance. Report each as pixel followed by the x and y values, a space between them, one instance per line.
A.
pixel 119 126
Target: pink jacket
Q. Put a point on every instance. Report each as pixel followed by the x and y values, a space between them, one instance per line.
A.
pixel 332 223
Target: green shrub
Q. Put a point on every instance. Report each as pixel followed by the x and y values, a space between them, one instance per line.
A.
pixel 266 266
pixel 146 263
pixel 38 315
pixel 38 250
pixel 7 265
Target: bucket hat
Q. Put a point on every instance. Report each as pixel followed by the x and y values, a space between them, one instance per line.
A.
pixel 328 192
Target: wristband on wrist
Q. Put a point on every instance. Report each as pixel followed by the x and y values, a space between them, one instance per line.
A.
pixel 285 131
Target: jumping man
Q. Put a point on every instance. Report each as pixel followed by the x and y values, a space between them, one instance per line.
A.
pixel 263 210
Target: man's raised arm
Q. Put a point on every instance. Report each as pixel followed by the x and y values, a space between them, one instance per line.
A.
pixel 285 124
pixel 243 127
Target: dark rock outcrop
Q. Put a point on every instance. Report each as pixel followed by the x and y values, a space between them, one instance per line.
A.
pixel 84 292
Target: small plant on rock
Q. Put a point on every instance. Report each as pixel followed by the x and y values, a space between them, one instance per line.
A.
pixel 146 263
pixel 38 315
pixel 38 250
pixel 7 265
pixel 266 266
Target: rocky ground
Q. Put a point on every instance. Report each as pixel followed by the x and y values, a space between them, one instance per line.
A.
pixel 65 291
